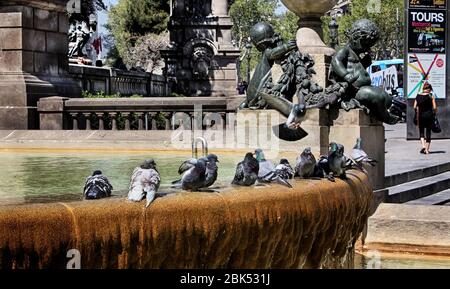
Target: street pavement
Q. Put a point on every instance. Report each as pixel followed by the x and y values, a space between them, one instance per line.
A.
pixel 403 155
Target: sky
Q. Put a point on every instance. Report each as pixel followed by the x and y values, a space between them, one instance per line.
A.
pixel 103 16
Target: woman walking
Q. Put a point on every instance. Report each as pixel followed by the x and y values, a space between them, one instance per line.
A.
pixel 426 109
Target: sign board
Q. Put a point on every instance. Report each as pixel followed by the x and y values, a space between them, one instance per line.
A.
pixel 387 79
pixel 429 68
pixel 426 31
pixel 441 4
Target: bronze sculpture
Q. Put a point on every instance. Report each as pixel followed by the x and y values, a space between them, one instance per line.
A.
pixel 349 82
pixel 349 70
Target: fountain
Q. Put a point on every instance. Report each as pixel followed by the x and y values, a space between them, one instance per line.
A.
pixel 204 143
pixel 313 225
pixel 310 33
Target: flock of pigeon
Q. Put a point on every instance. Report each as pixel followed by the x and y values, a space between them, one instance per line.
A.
pixel 202 173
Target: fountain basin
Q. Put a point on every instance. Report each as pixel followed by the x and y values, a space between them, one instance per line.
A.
pixel 314 225
pixel 308 7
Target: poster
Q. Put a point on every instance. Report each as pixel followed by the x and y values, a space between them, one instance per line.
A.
pixel 429 68
pixel 426 31
pixel 427 4
pixel 386 79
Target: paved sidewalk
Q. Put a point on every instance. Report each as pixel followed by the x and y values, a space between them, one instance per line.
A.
pixel 403 155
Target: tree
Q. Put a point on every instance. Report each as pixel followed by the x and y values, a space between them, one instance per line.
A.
pixel 88 7
pixel 385 16
pixel 129 20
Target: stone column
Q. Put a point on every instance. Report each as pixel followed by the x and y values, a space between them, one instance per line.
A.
pixel 219 7
pixel 310 33
pixel 357 124
pixel 33 59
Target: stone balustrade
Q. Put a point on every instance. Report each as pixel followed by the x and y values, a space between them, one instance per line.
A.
pixel 57 113
pixel 112 81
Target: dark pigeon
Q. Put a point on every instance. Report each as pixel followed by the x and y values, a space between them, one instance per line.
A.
pixel 307 166
pixel 338 162
pixel 97 187
pixel 246 171
pixel 193 174
pixel 212 170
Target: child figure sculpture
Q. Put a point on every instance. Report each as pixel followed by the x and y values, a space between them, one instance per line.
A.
pixel 273 49
pixel 349 69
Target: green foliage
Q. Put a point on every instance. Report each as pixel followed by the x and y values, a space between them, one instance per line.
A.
pixel 286 25
pixel 385 18
pixel 88 7
pixel 101 94
pixel 246 13
pixel 131 19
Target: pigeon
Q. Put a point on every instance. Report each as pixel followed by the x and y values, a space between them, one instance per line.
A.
pixel 97 187
pixel 211 170
pixel 246 171
pixel 193 173
pixel 265 166
pixel 267 171
pixel 360 157
pixel 338 162
pixel 307 166
pixel 285 170
pixel 145 183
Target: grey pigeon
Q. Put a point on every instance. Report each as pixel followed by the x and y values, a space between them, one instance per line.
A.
pixel 145 183
pixel 246 171
pixel 97 187
pixel 306 165
pixel 267 171
pixel 212 170
pixel 360 157
pixel 265 167
pixel 338 162
pixel 193 173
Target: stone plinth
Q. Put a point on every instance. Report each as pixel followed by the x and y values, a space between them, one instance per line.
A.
pixel 357 124
pixel 313 225
pixel 33 59
pixel 51 113
pixel 256 125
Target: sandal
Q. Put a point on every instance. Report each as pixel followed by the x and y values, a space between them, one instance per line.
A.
pixel 423 151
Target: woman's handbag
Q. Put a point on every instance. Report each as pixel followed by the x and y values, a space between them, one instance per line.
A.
pixel 436 127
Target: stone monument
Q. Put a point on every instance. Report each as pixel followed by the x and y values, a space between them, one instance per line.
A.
pixel 201 60
pixel 33 59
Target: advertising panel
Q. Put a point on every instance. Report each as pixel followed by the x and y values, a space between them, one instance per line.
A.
pixel 429 68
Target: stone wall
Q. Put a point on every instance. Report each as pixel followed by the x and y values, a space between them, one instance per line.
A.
pixel 33 59
pixel 314 225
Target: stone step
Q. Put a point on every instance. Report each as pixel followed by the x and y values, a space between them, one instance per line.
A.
pixel 419 188
pixel 414 175
pixel 438 199
pixel 404 227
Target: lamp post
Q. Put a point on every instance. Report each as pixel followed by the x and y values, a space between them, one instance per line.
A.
pixel 333 27
pixel 248 47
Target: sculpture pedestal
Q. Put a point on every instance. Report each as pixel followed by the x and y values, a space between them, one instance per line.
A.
pixel 357 124
pixel 33 59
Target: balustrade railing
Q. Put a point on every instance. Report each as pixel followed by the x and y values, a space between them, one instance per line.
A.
pixel 131 114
